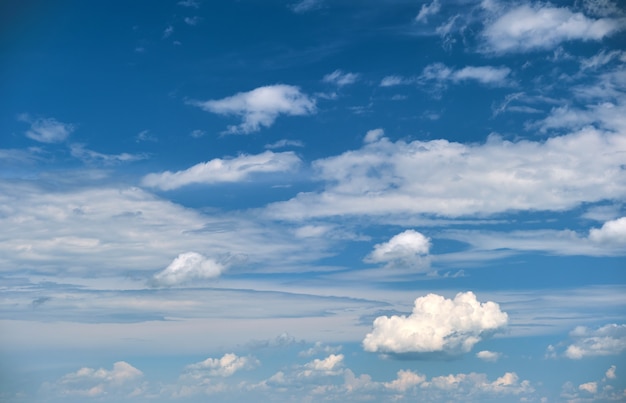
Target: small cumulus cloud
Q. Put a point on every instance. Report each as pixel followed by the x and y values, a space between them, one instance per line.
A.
pixel 224 170
pixel 437 324
pixel 192 20
pixel 610 373
pixel 284 143
pixel 168 32
pixel 260 107
pixel 331 365
pixel 407 249
pixel 591 387
pixel 482 74
pixel 489 356
pixel 406 379
pixel 187 267
pixel 46 130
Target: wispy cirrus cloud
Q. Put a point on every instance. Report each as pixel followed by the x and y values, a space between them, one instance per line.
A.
pixel 260 107
pixel 224 170
pixel 339 78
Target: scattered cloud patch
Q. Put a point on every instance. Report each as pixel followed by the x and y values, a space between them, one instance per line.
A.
pixel 339 78
pixel 392 81
pixel 260 107
pixel 188 267
pixel 489 356
pixel 406 250
pixel 437 324
pixel 122 380
pixel 406 380
pixel 197 133
pixel 223 367
pixel 168 32
pixel 224 170
pixel 610 373
pixel 189 3
pixel 79 151
pixel 331 365
pixel 542 26
pixel 606 340
pixel 591 387
pixel 305 6
pixel 427 10
pixel 482 74
pixel 193 21
pixel 284 143
pixel 46 130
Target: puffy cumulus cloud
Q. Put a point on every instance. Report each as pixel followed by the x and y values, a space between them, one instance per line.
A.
pixel 439 177
pixel 406 379
pixel 188 267
pixel 473 383
pixel 610 373
pixel 482 74
pixel 261 106
pixel 591 387
pixel 220 367
pixel 331 365
pixel 542 26
pixel 122 379
pixel 407 249
pixel 339 78
pixel 489 356
pixel 437 324
pixel 319 348
pixel 46 130
pixel 224 170
pixel 612 232
pixel 606 340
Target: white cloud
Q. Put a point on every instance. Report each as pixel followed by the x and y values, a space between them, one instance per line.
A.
pixel 526 28
pixel 437 324
pixel 46 130
pixel 339 78
pixel 197 133
pixel 189 3
pixel 428 10
pixel 305 5
pixel 319 348
pixel 188 267
pixel 222 367
pixel 610 373
pixel 482 74
pixel 489 356
pixel 88 382
pixel 391 81
pixel 79 151
pixel 407 249
pixel 591 387
pixel 261 106
pixel 168 31
pixel 612 232
pixel 192 20
pixel 406 380
pixel 331 365
pixel 606 340
pixel 284 143
pixel 506 384
pixel 452 179
pixel 224 170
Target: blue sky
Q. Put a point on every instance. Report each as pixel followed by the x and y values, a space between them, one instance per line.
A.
pixel 314 200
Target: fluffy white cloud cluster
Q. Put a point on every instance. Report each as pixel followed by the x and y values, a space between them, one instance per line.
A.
pixel 452 179
pixel 612 232
pixel 224 170
pixel 606 340
pixel 437 324
pixel 188 267
pixel 223 367
pixel 46 130
pixel 91 382
pixel 407 249
pixel 261 106
pixel 530 27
